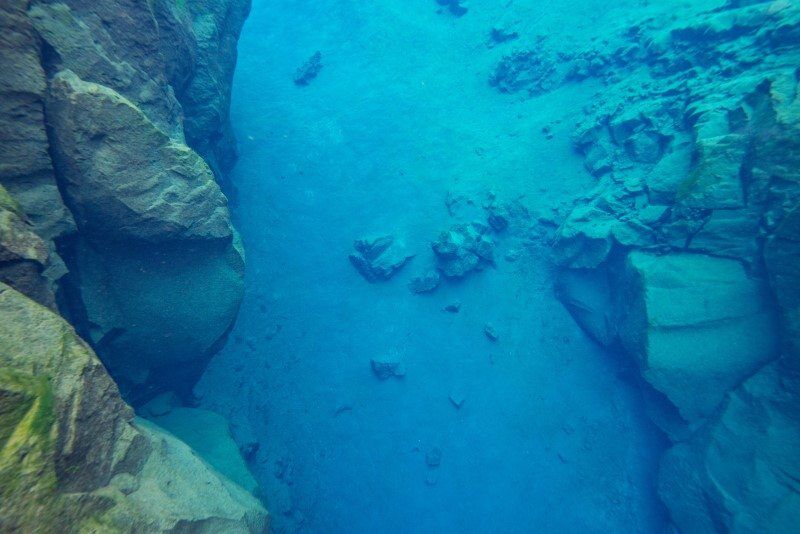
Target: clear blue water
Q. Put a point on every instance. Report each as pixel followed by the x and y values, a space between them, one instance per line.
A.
pixel 552 434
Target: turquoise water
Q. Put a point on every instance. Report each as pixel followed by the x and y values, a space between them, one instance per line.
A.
pixel 551 435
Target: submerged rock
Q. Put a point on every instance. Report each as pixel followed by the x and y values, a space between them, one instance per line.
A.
pixel 209 435
pixel 454 6
pixel 146 186
pixel 309 70
pixel 425 283
pixel 457 399
pixel 379 258
pixel 725 476
pixel 453 307
pixel 524 70
pixel 697 325
pixel 490 332
pixel 77 457
pixel 463 249
pixel 387 368
pixel 433 458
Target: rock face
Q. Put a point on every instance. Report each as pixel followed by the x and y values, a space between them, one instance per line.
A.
pixel 685 254
pixel 72 457
pixel 123 110
pixel 697 325
pixel 114 136
pixel 208 434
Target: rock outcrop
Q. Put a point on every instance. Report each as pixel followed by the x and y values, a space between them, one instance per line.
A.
pixel 114 140
pixel 116 136
pixel 685 254
pixel 74 459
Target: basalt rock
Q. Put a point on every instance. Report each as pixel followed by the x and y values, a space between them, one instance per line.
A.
pixel 463 249
pixel 73 456
pixel 685 253
pixel 524 70
pixel 379 258
pixel 121 107
pixel 128 92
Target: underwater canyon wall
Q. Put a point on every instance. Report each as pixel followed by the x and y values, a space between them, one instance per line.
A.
pixel 685 256
pixel 114 147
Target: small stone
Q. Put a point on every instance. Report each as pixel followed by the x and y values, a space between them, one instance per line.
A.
pixel 433 458
pixel 385 369
pixel 453 307
pixel 490 332
pixel 309 70
pixel 425 283
pixel 457 399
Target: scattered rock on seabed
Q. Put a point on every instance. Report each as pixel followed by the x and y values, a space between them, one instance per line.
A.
pixel 490 332
pixel 464 248
pixel 379 258
pixel 457 399
pixel 425 283
pixel 454 6
pixel 433 458
pixel 309 70
pixel 386 368
pixel 453 307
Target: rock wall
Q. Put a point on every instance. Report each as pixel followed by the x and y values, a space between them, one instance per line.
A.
pixel 114 138
pixel 74 459
pixel 685 256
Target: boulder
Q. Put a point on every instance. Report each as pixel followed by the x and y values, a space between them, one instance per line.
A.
pixel 425 283
pixel 123 177
pixel 391 367
pixel 379 258
pixel 209 435
pixel 205 98
pixel 697 325
pixel 156 313
pixel 665 178
pixel 739 473
pixel 72 457
pixel 23 254
pixel 524 70
pixel 463 249
pixel 309 70
pixel 26 170
pixel 587 237
pixel 781 253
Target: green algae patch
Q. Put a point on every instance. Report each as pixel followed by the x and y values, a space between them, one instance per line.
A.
pixel 28 483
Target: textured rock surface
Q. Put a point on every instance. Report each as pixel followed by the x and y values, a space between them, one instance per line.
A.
pixel 686 253
pixel 123 177
pixel 208 434
pixel 72 459
pixel 697 325
pixel 115 106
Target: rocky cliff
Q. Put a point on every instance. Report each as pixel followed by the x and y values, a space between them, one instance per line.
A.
pixel 116 136
pixel 685 255
pixel 114 147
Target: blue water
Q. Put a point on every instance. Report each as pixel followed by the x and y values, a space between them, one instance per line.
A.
pixel 552 434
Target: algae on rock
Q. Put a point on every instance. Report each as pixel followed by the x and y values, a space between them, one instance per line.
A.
pixel 73 459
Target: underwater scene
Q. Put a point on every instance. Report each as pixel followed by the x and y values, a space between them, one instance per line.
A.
pixel 401 266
